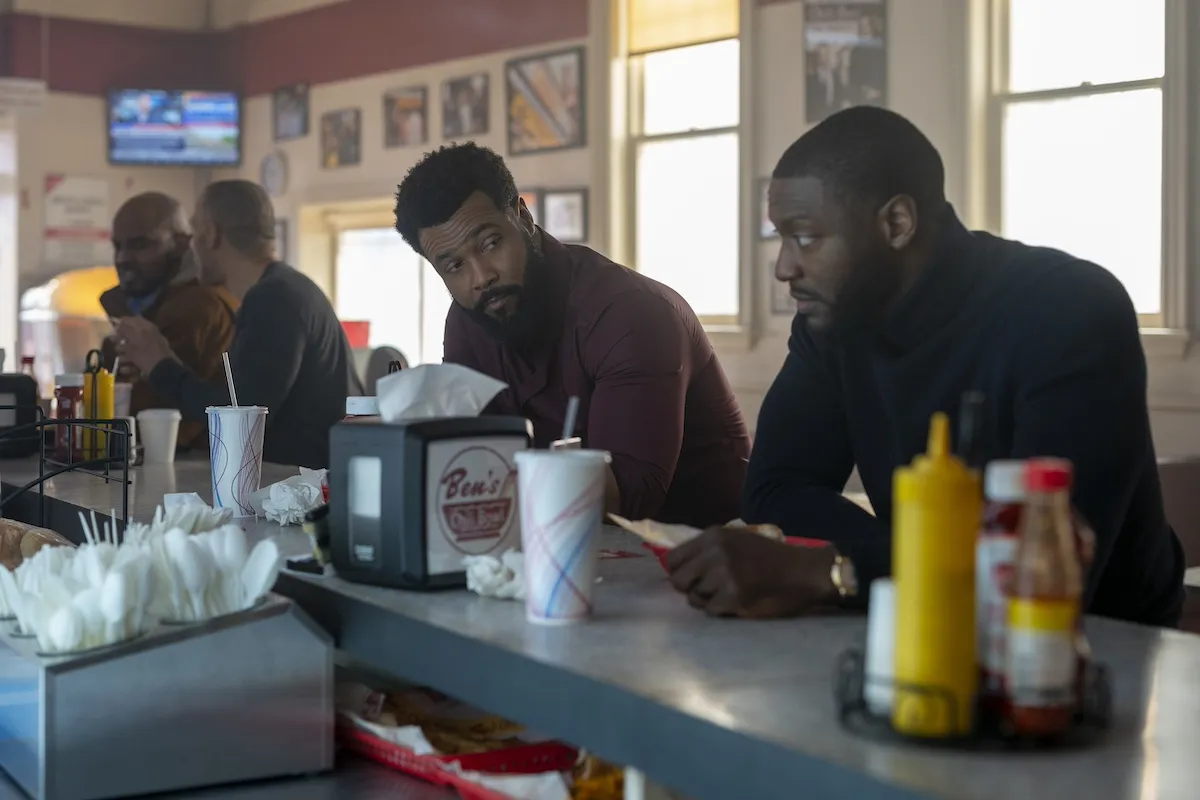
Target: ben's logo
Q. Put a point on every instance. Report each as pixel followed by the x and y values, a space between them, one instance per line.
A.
pixel 476 499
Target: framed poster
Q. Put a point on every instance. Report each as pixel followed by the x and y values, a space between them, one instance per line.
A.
pixel 766 228
pixel 533 201
pixel 782 302
pixel 406 117
pixel 289 112
pixel 565 213
pixel 544 97
pixel 466 106
pixel 341 138
pixel 845 55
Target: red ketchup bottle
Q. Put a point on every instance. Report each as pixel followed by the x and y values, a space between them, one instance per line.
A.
pixel 1004 491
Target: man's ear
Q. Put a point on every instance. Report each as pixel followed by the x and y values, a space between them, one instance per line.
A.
pixel 898 221
pixel 525 216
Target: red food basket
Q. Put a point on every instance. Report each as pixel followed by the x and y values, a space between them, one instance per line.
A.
pixel 795 541
pixel 530 759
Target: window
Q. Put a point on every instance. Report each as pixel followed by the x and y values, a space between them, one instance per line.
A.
pixel 1080 105
pixel 685 113
pixel 381 280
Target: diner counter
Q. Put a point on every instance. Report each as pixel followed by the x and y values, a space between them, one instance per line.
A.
pixel 715 709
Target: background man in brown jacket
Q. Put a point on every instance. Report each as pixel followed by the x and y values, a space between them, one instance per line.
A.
pixel 151 241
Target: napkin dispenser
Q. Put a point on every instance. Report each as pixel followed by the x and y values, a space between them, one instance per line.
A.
pixel 407 501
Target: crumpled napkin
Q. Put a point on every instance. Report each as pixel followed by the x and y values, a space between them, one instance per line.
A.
pixel 287 501
pixel 502 578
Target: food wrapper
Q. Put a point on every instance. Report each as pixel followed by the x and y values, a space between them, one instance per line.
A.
pixel 431 724
pixel 288 500
pixel 665 535
pixel 20 541
pixel 435 390
pixel 502 578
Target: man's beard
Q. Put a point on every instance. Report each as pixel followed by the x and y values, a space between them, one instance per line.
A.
pixel 863 303
pixel 523 326
pixel 170 268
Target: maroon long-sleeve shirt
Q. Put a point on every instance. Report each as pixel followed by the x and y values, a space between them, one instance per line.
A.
pixel 650 389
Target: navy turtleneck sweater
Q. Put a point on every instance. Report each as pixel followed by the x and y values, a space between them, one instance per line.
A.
pixel 1051 341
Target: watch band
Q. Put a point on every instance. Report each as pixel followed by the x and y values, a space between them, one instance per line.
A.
pixel 842 575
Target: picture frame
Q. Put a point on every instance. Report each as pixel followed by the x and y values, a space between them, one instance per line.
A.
pixel 565 214
pixel 782 302
pixel 545 100
pixel 341 138
pixel 845 56
pixel 466 106
pixel 533 201
pixel 406 117
pixel 766 228
pixel 281 240
pixel 289 112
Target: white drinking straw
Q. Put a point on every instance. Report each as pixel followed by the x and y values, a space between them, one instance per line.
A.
pixel 229 380
pixel 572 413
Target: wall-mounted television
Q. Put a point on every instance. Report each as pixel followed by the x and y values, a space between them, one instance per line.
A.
pixel 174 128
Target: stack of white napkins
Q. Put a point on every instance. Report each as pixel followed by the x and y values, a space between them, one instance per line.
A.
pixel 502 578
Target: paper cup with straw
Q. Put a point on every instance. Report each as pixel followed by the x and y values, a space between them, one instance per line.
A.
pixel 235 447
pixel 561 495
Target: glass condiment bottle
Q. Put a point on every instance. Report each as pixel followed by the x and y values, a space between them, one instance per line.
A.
pixel 1044 606
pixel 68 401
pixel 937 504
pixel 1004 493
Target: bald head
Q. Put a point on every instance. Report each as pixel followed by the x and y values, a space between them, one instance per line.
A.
pixel 241 211
pixel 150 236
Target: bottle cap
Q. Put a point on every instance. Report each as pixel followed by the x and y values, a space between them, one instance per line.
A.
pixel 362 406
pixel 69 379
pixel 1004 481
pixel 1048 475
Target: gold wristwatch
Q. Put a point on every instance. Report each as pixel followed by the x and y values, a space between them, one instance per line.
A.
pixel 843 577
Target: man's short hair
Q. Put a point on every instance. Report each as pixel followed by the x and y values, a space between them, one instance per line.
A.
pixel 443 180
pixel 243 211
pixel 866 156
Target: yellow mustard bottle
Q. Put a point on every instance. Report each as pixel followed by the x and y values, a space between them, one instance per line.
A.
pixel 101 385
pixel 936 508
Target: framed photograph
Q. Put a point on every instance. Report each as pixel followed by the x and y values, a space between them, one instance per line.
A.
pixel 289 112
pixel 845 55
pixel 466 106
pixel 533 201
pixel 341 138
pixel 406 117
pixel 281 240
pixel 544 96
pixel 766 228
pixel 782 302
pixel 565 214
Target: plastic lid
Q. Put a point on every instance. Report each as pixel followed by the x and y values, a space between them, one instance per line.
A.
pixel 362 406
pixel 1004 481
pixel 69 379
pixel 159 413
pixel 1048 475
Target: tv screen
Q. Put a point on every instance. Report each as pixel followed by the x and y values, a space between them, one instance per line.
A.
pixel 173 128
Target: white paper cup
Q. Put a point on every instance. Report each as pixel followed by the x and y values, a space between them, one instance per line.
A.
pixel 159 432
pixel 122 397
pixel 561 493
pixel 235 446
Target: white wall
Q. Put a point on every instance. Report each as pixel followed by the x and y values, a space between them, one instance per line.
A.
pixel 68 136
pixel 227 13
pixel 178 14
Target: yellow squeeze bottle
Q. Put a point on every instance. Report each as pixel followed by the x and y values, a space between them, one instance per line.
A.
pixel 936 508
pixel 102 385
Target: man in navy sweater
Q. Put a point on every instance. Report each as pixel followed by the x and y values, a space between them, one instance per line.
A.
pixel 902 310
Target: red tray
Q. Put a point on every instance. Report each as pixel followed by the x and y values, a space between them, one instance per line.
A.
pixel 795 541
pixel 528 760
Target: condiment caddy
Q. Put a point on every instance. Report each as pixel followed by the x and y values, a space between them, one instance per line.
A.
pixel 977 639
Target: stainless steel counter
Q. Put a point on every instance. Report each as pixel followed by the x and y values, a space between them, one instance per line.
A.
pixel 726 709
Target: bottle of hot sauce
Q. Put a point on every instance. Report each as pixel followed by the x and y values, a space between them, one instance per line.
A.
pixel 1044 606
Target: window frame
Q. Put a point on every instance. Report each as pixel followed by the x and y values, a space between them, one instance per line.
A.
pixel 1169 326
pixel 635 97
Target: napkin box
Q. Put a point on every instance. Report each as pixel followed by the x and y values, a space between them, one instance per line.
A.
pixel 408 501
pixel 18 409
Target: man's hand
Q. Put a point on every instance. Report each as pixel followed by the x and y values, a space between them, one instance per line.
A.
pixel 735 573
pixel 141 342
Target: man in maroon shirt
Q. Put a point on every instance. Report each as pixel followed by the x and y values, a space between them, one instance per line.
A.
pixel 555 321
